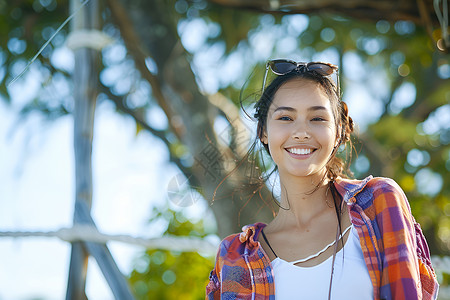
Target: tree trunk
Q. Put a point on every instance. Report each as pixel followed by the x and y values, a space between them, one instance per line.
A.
pixel 192 115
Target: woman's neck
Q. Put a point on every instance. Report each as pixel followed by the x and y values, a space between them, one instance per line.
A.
pixel 303 199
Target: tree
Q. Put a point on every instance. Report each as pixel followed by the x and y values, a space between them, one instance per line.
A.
pixel 394 58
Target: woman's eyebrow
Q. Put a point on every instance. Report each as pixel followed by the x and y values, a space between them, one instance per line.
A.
pixel 314 108
pixel 288 108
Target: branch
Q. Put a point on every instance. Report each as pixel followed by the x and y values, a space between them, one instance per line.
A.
pixel 430 84
pixel 398 81
pixel 240 130
pixel 367 10
pixel 158 133
pixel 139 54
pixel 425 16
pixel 377 156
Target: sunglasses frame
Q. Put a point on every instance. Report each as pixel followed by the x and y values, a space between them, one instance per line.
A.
pixel 300 67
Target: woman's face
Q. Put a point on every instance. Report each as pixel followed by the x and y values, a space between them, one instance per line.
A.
pixel 300 129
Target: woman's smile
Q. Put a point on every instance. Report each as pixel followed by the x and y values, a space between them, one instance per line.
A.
pixel 300 152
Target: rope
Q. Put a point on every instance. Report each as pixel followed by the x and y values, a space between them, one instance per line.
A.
pixel 172 243
pixel 91 234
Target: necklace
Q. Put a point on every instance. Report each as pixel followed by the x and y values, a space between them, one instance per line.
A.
pixel 320 252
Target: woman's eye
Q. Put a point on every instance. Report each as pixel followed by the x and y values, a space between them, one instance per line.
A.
pixel 318 119
pixel 285 118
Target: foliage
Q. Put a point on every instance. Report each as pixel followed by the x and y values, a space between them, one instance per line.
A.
pixel 25 27
pixel 162 274
pixel 405 132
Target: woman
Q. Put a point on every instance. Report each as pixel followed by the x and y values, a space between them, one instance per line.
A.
pixel 333 238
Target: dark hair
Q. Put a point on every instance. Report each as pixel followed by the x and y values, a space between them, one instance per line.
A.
pixel 344 123
pixel 335 165
pixel 344 126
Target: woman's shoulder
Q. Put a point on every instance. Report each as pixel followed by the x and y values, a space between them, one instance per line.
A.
pixel 383 195
pixel 386 183
pixel 386 189
pixel 380 191
pixel 351 187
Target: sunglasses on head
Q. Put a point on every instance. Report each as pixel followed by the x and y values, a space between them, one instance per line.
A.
pixel 285 66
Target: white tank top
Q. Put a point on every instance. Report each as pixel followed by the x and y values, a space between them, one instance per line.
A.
pixel 350 280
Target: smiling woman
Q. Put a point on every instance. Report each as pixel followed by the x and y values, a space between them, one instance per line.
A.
pixel 328 228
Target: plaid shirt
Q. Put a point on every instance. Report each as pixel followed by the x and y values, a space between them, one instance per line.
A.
pixel 393 245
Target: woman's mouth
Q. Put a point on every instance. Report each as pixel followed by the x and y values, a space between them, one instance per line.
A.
pixel 300 151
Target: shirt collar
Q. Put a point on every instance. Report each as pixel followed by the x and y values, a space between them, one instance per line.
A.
pixel 348 188
pixel 250 233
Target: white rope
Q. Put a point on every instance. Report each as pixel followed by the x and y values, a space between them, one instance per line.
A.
pixel 89 233
pixel 83 38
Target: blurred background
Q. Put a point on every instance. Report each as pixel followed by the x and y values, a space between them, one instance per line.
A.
pixel 129 121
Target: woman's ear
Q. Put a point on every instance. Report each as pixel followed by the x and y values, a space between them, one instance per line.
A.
pixel 264 138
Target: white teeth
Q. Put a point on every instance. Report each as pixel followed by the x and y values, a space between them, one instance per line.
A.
pixel 299 151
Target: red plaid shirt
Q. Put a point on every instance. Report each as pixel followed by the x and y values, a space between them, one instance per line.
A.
pixel 394 248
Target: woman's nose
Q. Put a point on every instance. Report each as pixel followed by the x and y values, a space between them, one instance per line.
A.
pixel 300 132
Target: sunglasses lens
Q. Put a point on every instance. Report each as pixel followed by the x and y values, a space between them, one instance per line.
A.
pixel 282 67
pixel 322 69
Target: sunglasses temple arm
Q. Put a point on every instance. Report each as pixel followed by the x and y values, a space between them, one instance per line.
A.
pixel 265 78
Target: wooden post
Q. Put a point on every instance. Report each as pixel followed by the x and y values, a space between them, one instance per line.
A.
pixel 85 82
pixel 85 78
pixel 115 279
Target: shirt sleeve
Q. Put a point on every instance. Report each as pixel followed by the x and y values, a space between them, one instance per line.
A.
pixel 406 266
pixel 213 287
